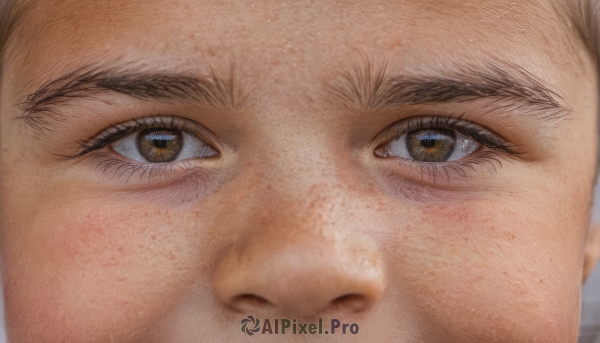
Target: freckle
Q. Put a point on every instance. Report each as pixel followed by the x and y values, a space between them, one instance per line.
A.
pixel 120 249
pixel 397 43
pixel 541 280
pixel 154 237
pixel 405 237
pixel 510 236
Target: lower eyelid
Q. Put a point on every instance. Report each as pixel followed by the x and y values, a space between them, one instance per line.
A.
pixel 450 174
pixel 114 167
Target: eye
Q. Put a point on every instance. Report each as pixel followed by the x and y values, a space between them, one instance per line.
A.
pixel 432 145
pixel 162 145
pixel 437 139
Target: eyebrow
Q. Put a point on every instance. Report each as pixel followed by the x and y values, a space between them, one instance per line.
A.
pixel 87 82
pixel 366 86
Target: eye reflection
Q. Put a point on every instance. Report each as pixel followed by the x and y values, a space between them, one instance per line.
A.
pixel 431 145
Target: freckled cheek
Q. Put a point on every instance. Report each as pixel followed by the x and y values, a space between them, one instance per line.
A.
pixel 465 265
pixel 122 264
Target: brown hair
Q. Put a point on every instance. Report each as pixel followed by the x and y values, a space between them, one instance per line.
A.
pixel 9 15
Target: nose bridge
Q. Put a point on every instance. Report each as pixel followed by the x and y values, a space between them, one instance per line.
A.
pixel 301 257
pixel 283 219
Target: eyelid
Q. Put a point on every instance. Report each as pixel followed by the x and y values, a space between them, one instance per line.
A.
pixel 122 130
pixel 466 128
pixel 449 175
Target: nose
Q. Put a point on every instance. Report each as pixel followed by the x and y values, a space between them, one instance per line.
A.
pixel 299 268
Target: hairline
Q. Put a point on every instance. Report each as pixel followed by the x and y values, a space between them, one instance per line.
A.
pixel 10 12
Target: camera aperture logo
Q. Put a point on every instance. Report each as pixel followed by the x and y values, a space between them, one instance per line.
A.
pixel 247 321
pixel 283 326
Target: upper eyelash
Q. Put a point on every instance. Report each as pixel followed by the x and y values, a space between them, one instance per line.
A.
pixel 466 128
pixel 108 162
pixel 123 130
pixel 491 159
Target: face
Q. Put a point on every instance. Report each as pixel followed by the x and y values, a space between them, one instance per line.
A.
pixel 170 167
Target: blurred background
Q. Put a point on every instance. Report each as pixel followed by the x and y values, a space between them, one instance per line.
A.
pixel 589 331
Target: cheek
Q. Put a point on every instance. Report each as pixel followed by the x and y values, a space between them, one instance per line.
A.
pixel 95 269
pixel 492 269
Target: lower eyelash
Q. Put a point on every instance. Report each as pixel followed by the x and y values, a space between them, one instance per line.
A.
pixel 120 169
pixel 488 161
pixel 186 183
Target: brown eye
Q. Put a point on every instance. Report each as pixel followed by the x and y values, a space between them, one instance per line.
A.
pixel 430 145
pixel 159 145
pixel 162 145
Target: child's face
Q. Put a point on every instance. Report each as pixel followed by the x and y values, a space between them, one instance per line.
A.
pixel 421 170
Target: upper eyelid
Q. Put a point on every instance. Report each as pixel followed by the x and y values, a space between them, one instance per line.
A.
pixel 122 130
pixel 463 126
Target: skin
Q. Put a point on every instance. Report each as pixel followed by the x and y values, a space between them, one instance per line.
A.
pixel 297 217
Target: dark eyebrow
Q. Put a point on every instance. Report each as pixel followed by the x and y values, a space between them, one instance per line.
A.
pixel 89 81
pixel 365 86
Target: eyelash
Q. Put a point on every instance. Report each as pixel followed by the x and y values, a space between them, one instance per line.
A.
pixel 489 159
pixel 122 167
pixel 498 147
pixel 119 131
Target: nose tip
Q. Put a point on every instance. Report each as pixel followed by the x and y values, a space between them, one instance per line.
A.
pixel 304 298
pixel 300 282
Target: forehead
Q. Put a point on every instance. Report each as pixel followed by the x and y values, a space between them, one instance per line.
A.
pixel 284 37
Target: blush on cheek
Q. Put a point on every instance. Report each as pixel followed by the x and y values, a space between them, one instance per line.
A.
pixel 98 271
pixel 490 264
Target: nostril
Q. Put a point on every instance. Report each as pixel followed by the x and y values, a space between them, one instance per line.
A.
pixel 349 302
pixel 249 301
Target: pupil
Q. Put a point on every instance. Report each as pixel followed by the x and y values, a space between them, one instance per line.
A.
pixel 161 142
pixel 428 142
